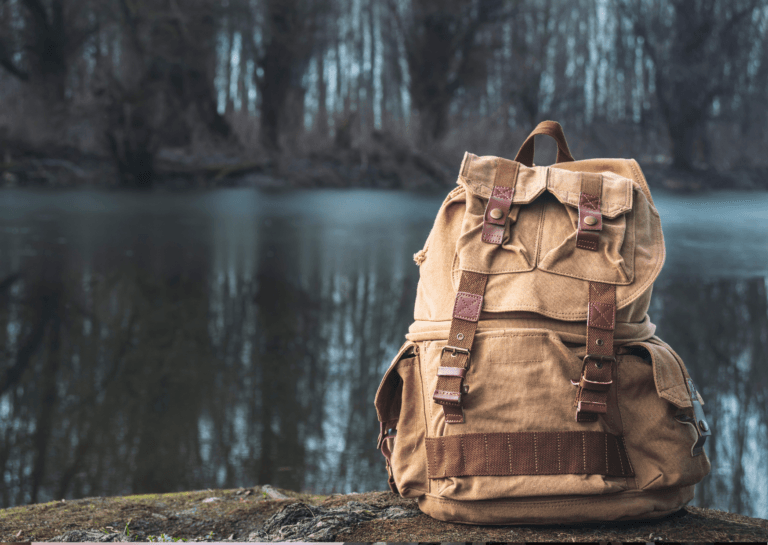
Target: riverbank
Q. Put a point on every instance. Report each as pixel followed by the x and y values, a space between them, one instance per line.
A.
pixel 385 165
pixel 263 513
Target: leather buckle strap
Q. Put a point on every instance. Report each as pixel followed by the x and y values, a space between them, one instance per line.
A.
pixel 500 201
pixel 455 355
pixel 590 215
pixel 597 368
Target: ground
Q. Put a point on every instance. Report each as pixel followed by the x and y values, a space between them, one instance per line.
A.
pixel 241 514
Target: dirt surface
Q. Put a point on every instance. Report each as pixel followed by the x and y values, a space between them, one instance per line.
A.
pixel 255 514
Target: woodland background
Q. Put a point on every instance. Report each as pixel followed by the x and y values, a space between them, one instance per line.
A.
pixel 385 93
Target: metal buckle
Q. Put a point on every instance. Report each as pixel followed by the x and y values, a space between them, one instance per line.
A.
pixel 455 350
pixel 600 359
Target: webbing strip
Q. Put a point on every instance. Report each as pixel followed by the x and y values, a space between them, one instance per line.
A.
pixel 597 371
pixel 527 453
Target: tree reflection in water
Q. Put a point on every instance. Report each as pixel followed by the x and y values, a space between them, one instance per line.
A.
pixel 720 329
pixel 247 347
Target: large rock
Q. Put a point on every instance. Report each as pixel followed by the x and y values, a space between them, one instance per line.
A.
pixel 268 514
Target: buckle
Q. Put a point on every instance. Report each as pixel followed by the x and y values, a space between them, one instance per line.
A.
pixel 454 350
pixel 600 359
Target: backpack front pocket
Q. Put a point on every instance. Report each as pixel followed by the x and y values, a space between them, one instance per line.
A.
pixel 521 437
pixel 613 262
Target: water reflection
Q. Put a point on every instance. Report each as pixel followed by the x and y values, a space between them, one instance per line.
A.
pixel 234 338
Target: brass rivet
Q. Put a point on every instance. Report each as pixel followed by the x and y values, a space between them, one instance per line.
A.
pixel 590 220
pixel 703 425
pixel 496 213
pixel 460 336
pixel 599 342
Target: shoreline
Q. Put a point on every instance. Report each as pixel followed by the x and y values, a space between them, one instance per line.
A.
pixel 348 169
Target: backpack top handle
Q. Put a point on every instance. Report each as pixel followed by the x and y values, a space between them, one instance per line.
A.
pixel 550 128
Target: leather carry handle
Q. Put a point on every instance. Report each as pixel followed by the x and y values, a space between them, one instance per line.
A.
pixel 550 128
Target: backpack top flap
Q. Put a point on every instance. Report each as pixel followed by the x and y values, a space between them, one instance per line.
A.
pixel 538 267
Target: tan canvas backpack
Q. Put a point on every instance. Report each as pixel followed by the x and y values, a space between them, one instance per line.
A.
pixel 532 388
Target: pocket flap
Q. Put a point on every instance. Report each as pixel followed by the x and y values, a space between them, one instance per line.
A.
pixel 669 373
pixel 531 182
pixel 389 396
pixel 616 198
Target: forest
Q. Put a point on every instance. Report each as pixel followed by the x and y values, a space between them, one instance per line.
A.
pixel 385 93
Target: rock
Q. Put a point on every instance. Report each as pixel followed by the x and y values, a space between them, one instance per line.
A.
pixel 352 518
pixel 301 522
pixel 93 536
pixel 274 494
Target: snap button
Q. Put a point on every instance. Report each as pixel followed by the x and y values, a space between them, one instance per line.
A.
pixel 590 220
pixel 703 425
pixel 496 213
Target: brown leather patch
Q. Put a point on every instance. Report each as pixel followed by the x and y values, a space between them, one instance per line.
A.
pixel 602 315
pixel 447 397
pixel 467 306
pixel 590 215
pixel 499 202
pixel 527 453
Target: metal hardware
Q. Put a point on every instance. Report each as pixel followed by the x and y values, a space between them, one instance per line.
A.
pixel 455 350
pixel 590 220
pixel 600 359
pixel 496 213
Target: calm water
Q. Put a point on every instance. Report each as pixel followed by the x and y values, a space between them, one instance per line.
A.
pixel 165 342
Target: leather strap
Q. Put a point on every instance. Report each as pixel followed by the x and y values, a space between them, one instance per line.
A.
pixel 550 128
pixel 527 453
pixel 597 370
pixel 590 214
pixel 454 359
pixel 386 444
pixel 500 202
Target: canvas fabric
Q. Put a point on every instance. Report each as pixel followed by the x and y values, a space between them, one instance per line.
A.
pixel 519 454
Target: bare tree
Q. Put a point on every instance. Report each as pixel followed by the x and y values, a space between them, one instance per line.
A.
pixel 444 55
pixel 697 49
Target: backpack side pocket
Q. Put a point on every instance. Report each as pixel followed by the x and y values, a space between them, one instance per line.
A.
pixel 399 406
pixel 656 400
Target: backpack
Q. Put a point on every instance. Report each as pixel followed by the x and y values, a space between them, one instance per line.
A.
pixel 532 388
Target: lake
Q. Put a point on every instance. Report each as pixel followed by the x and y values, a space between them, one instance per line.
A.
pixel 162 342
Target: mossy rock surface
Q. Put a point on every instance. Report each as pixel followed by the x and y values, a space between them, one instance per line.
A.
pixel 241 515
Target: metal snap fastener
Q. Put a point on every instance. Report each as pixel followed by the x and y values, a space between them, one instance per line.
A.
pixel 703 425
pixel 496 213
pixel 460 336
pixel 599 342
pixel 590 220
